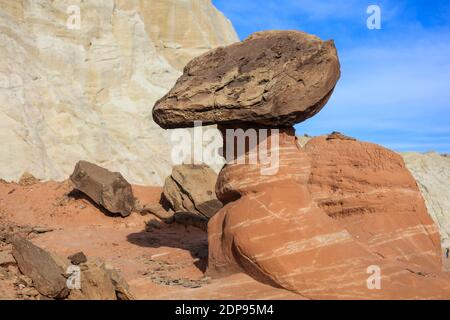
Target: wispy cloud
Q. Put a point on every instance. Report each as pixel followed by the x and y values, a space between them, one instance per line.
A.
pixel 395 81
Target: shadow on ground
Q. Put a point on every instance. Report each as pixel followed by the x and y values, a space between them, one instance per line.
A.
pixel 159 234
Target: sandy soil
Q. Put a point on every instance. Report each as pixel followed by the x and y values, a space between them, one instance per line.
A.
pixel 162 262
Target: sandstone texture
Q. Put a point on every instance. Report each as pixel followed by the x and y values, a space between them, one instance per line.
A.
pixel 77 258
pixel 100 283
pixel 107 189
pixel 432 173
pixel 333 211
pixel 272 78
pixel 68 94
pixel 371 193
pixel 191 188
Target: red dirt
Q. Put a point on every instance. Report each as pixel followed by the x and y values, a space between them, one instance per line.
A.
pixel 145 258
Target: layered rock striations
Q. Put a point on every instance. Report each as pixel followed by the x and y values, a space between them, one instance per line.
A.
pixel 73 91
pixel 327 216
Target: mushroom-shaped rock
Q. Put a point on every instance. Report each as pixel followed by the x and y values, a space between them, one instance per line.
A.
pixel 275 78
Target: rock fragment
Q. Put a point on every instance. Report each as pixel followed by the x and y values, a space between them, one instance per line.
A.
pixel 157 210
pixel 27 179
pixel 36 263
pixel 77 258
pixel 99 282
pixel 108 189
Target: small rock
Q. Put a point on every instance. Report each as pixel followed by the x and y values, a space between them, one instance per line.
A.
pixel 6 259
pixel 77 258
pixel 120 285
pixel 27 179
pixel 192 188
pixel 30 292
pixel 98 282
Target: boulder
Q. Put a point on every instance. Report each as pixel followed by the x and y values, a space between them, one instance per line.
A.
pixel 272 78
pixel 108 189
pixel 39 265
pixel 120 285
pixel 369 191
pixel 96 283
pixel 191 188
pixel 157 210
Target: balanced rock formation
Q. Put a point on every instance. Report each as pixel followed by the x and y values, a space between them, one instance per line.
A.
pixel 108 189
pixel 191 188
pixel 432 174
pixel 271 78
pixel 291 227
pixel 73 91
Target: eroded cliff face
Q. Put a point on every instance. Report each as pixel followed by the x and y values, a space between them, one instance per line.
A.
pixel 68 94
pixel 432 173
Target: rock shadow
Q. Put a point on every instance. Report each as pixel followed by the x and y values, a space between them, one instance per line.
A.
pixel 76 194
pixel 159 234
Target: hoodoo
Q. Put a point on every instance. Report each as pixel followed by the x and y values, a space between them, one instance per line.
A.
pixel 294 227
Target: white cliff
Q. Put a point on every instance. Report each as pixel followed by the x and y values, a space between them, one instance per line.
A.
pixel 69 93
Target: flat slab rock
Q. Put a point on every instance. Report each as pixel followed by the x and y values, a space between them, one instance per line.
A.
pixel 108 189
pixel 39 265
pixel 273 78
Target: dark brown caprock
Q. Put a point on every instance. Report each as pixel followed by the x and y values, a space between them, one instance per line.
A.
pixel 272 78
pixel 107 189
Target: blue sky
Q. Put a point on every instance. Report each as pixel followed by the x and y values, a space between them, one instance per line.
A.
pixel 395 83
